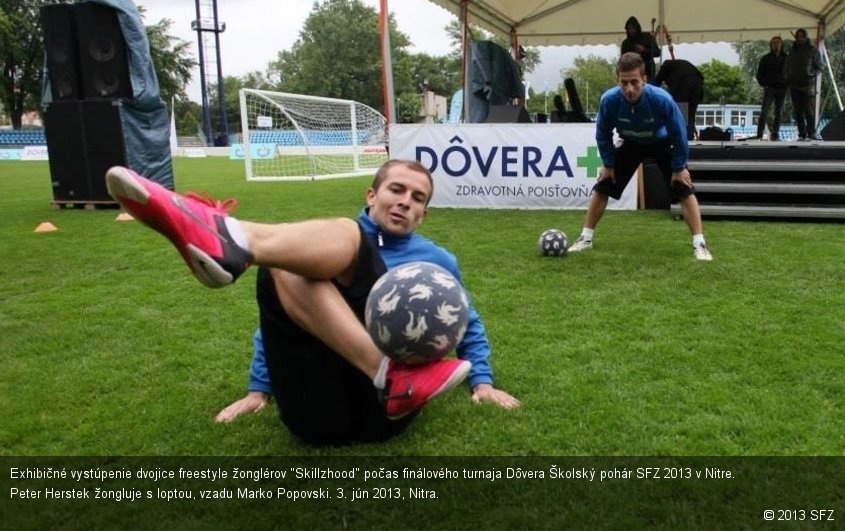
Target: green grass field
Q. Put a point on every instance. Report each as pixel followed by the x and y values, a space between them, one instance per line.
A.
pixel 109 347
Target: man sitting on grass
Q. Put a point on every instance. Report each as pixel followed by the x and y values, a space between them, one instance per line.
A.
pixel 331 382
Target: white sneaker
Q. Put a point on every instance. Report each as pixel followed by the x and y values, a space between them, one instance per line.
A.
pixel 580 245
pixel 701 252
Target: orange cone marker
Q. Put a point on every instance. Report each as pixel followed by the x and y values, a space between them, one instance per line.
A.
pixel 46 227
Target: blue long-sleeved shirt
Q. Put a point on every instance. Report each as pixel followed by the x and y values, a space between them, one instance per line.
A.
pixel 654 118
pixel 398 250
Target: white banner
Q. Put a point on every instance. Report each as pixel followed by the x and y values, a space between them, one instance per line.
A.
pixel 195 152
pixel 256 151
pixel 10 154
pixel 530 166
pixel 34 153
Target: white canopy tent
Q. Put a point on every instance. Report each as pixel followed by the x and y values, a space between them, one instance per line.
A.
pixel 587 22
pixel 583 22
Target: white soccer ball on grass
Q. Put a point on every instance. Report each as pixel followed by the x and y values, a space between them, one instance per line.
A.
pixel 552 242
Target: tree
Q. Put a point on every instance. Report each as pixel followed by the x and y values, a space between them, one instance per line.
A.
pixel 527 63
pixel 5 30
pixel 592 76
pixel 416 72
pixel 750 52
pixel 172 61
pixel 232 86
pixel 338 54
pixel 188 117
pixel 408 106
pixel 22 57
pixel 724 83
pixel 835 44
pixel 540 102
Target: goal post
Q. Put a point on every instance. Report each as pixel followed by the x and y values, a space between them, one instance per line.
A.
pixel 296 137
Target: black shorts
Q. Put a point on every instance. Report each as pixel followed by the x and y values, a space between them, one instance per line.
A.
pixel 322 398
pixel 630 155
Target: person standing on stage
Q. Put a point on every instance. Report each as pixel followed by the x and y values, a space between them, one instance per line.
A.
pixel 642 43
pixel 685 83
pixel 802 66
pixel 770 75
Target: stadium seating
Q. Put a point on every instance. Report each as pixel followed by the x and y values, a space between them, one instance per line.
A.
pixel 22 137
pixel 315 138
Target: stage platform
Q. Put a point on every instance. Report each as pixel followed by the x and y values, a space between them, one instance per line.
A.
pixel 755 178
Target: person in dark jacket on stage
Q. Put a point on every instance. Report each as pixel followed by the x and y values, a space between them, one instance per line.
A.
pixel 642 43
pixel 770 75
pixel 802 66
pixel 560 114
pixel 686 85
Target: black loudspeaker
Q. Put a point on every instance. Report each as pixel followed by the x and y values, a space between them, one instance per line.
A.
pixel 507 114
pixel 655 189
pixel 84 139
pixel 835 129
pixel 103 65
pixel 86 52
pixel 577 115
pixel 60 49
pixel 715 133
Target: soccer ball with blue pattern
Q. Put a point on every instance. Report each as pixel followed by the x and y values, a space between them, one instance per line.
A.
pixel 417 312
pixel 552 242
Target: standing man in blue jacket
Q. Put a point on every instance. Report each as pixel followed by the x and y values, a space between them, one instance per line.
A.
pixel 331 382
pixel 650 126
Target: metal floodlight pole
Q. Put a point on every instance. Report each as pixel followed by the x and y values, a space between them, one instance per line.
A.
pixel 197 26
pixel 221 96
pixel 202 25
pixel 465 57
pixel 546 97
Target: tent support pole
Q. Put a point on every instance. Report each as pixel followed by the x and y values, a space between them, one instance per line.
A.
pixel 389 98
pixel 826 58
pixel 465 56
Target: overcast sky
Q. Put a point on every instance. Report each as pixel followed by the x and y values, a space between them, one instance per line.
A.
pixel 256 30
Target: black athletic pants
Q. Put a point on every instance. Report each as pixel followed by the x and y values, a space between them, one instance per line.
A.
pixel 322 398
pixel 630 155
pixel 804 110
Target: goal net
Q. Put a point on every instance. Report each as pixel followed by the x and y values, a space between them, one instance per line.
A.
pixel 295 137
